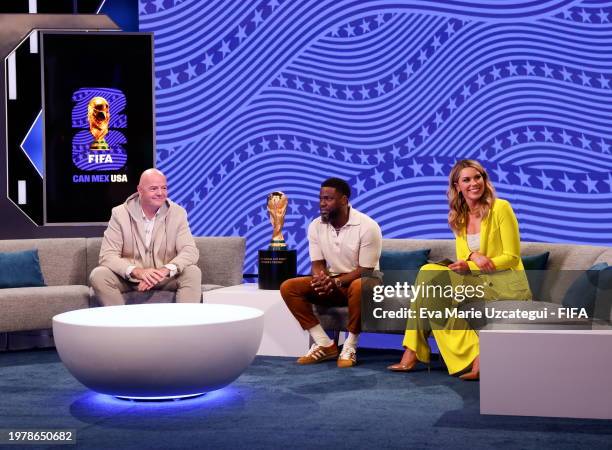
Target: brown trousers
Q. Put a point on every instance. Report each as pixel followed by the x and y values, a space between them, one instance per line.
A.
pixel 300 296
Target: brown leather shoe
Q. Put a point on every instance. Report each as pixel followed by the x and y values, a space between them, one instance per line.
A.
pixel 318 353
pixel 347 358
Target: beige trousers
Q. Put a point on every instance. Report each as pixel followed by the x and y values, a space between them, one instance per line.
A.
pixel 109 287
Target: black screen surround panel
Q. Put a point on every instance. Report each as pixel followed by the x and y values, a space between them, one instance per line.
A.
pixel 18 114
pixel 87 175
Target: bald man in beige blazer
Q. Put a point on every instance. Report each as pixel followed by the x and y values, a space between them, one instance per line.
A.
pixel 148 245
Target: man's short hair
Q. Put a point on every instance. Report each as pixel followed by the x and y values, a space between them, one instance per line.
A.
pixel 339 185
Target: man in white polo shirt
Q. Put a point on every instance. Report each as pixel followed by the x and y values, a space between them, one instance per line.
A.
pixel 344 244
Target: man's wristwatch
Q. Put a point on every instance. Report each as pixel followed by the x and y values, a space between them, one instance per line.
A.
pixel 338 282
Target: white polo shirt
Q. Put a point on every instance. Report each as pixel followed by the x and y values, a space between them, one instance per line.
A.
pixel 358 243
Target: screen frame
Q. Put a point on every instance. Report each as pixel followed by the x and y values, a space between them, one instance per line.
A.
pixel 42 34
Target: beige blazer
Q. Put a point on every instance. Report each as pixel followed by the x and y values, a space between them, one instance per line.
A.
pixel 123 244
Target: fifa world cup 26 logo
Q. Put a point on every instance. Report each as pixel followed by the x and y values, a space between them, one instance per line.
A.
pixel 98 115
pixel 100 112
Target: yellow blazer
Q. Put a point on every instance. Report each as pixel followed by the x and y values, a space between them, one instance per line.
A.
pixel 499 240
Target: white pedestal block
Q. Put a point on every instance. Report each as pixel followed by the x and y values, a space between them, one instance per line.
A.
pixel 551 373
pixel 282 334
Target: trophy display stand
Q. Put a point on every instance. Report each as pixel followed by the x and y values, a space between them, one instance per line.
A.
pixel 277 263
pixel 276 266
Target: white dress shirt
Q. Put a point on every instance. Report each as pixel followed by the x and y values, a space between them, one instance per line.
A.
pixel 149 224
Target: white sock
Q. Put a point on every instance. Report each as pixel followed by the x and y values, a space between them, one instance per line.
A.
pixel 319 335
pixel 351 340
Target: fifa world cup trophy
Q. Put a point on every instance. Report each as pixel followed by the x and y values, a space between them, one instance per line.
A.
pixel 98 115
pixel 277 207
pixel 277 263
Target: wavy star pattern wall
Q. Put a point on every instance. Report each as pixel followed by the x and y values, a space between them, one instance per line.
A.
pixel 254 97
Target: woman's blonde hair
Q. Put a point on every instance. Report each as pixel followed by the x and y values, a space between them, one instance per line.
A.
pixel 458 209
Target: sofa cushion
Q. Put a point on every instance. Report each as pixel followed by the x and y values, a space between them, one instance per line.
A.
pixel 535 262
pixel 32 308
pixel 582 293
pixel 221 259
pixel 402 266
pixel 20 269
pixel 605 256
pixel 440 248
pixel 211 287
pixel 332 317
pixel 62 261
pixel 535 266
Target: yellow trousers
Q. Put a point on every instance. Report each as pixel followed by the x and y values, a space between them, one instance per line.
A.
pixel 458 343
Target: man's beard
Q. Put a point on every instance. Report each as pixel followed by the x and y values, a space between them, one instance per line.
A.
pixel 329 216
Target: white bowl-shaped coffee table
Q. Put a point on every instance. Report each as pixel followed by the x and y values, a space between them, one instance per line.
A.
pixel 160 350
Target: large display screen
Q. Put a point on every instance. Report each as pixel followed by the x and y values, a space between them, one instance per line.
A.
pixel 98 108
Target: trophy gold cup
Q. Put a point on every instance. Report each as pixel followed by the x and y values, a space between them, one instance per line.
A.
pixel 277 207
pixel 277 263
pixel 98 115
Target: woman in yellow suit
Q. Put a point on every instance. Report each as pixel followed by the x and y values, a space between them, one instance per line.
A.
pixel 488 259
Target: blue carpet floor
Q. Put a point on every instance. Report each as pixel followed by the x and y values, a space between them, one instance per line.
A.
pixel 277 403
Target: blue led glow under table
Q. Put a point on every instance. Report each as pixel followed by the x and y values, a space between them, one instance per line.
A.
pixel 159 350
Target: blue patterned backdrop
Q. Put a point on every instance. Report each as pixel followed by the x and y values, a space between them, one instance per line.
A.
pixel 256 96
